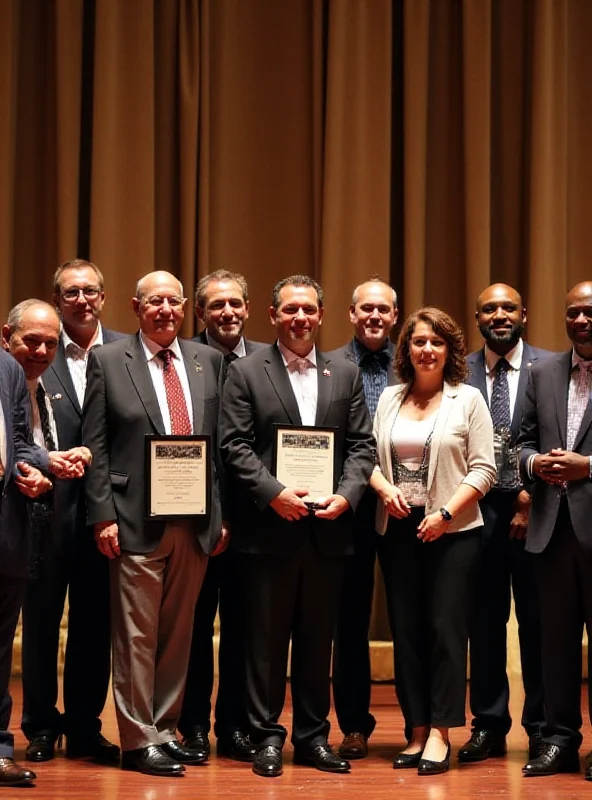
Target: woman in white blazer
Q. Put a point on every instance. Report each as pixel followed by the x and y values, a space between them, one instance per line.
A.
pixel 435 461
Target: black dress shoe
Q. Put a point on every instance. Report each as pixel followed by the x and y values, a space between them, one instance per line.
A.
pixel 427 767
pixel 536 746
pixel 268 762
pixel 183 754
pixel 237 746
pixel 94 746
pixel 323 758
pixel 12 774
pixel 406 760
pixel 40 748
pixel 199 742
pixel 151 760
pixel 483 744
pixel 553 759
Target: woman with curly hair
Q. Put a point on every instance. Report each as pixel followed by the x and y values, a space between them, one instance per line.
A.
pixel 435 461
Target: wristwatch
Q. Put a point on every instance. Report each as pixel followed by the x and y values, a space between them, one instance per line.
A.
pixel 446 514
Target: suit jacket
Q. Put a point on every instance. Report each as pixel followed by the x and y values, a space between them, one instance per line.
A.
pixel 544 427
pixel 477 377
pixel 250 347
pixel 120 409
pixel 347 351
pixel 69 495
pixel 257 394
pixel 14 534
pixel 461 450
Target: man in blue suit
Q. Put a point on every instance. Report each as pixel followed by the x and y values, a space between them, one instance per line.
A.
pixel 500 370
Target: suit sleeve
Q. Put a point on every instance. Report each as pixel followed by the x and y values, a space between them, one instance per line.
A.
pixel 99 497
pixel 528 438
pixel 360 451
pixel 23 448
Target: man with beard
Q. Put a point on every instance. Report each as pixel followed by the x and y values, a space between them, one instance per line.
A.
pixel 556 465
pixel 222 304
pixel 500 370
pixel 373 313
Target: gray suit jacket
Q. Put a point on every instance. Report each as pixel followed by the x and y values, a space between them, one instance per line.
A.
pixel 250 346
pixel 544 427
pixel 120 409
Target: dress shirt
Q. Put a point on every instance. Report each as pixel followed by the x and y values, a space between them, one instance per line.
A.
pixel 76 358
pixel 305 383
pixel 155 368
pixel 374 366
pixel 240 350
pixel 38 437
pixel 514 359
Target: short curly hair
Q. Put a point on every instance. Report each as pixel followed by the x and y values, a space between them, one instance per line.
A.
pixel 442 324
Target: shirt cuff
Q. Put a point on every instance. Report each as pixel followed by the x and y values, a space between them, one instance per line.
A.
pixel 529 464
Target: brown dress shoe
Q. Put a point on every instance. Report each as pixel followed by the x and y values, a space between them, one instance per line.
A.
pixel 354 745
pixel 11 774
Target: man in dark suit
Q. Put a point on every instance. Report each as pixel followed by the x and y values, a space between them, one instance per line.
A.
pixel 556 465
pixel 292 555
pixel 222 305
pixel 151 383
pixel 373 312
pixel 500 370
pixel 72 565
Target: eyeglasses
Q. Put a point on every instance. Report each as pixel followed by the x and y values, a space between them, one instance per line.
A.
pixel 157 301
pixel 89 292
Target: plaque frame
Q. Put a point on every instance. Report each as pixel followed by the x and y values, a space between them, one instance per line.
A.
pixel 151 442
pixel 308 431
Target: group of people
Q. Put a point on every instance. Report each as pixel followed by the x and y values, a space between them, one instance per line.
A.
pixel 468 476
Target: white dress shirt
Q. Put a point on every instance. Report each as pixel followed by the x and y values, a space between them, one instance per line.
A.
pixel 305 383
pixel 38 437
pixel 240 350
pixel 155 367
pixel 514 359
pixel 76 359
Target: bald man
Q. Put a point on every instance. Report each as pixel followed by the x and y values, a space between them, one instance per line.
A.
pixel 151 383
pixel 556 466
pixel 500 369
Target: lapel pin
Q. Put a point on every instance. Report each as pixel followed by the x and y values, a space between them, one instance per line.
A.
pixel 197 366
pixel 327 373
pixel 56 396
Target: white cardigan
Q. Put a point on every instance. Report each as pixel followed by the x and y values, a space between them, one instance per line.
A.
pixel 461 450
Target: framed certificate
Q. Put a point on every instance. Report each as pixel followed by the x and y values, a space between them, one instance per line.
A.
pixel 178 476
pixel 303 458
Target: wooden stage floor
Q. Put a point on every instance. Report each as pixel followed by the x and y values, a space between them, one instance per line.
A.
pixel 373 777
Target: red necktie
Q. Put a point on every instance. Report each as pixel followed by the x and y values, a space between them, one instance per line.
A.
pixel 180 423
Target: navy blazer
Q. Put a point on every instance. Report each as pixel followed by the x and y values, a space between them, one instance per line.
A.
pixel 347 351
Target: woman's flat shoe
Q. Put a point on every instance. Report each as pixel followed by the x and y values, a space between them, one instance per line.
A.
pixel 426 767
pixel 407 760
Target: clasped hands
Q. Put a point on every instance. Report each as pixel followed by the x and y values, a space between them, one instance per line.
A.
pixel 290 505
pixel 63 464
pixel 558 466
pixel 429 529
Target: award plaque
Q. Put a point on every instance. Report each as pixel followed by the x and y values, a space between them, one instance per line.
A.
pixel 506 460
pixel 178 476
pixel 304 459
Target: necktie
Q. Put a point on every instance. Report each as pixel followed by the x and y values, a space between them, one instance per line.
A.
pixel 579 394
pixel 44 418
pixel 301 365
pixel 180 424
pixel 230 357
pixel 500 397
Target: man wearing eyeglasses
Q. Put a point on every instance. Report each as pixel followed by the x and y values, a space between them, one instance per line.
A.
pixel 72 564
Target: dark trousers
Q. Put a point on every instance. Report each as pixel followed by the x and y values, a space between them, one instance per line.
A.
pixel 293 595
pixel 11 595
pixel 564 577
pixel 78 568
pixel 429 588
pixel 351 655
pixel 221 589
pixel 504 566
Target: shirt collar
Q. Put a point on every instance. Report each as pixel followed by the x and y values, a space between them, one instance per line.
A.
pixel 513 357
pixel 288 356
pixel 361 351
pixel 240 350
pixel 576 360
pixel 152 349
pixel 68 342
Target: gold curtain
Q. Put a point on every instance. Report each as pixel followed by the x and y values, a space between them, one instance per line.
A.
pixel 444 144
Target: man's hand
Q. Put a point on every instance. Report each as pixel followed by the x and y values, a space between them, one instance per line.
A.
pixel 62 467
pixel 78 455
pixel 519 522
pixel 31 482
pixel 289 505
pixel 558 466
pixel 333 506
pixel 432 527
pixel 107 538
pixel 223 541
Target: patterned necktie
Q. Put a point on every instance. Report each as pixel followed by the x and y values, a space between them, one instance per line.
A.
pixel 500 397
pixel 44 419
pixel 230 357
pixel 180 424
pixel 579 394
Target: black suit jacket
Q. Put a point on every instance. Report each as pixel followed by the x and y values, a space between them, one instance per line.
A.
pixel 544 427
pixel 258 394
pixel 120 409
pixel 347 351
pixel 250 347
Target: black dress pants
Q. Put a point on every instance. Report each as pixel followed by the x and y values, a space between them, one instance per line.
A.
pixel 351 655
pixel 504 566
pixel 293 595
pixel 564 577
pixel 222 588
pixel 429 590
pixel 78 568
pixel 11 596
